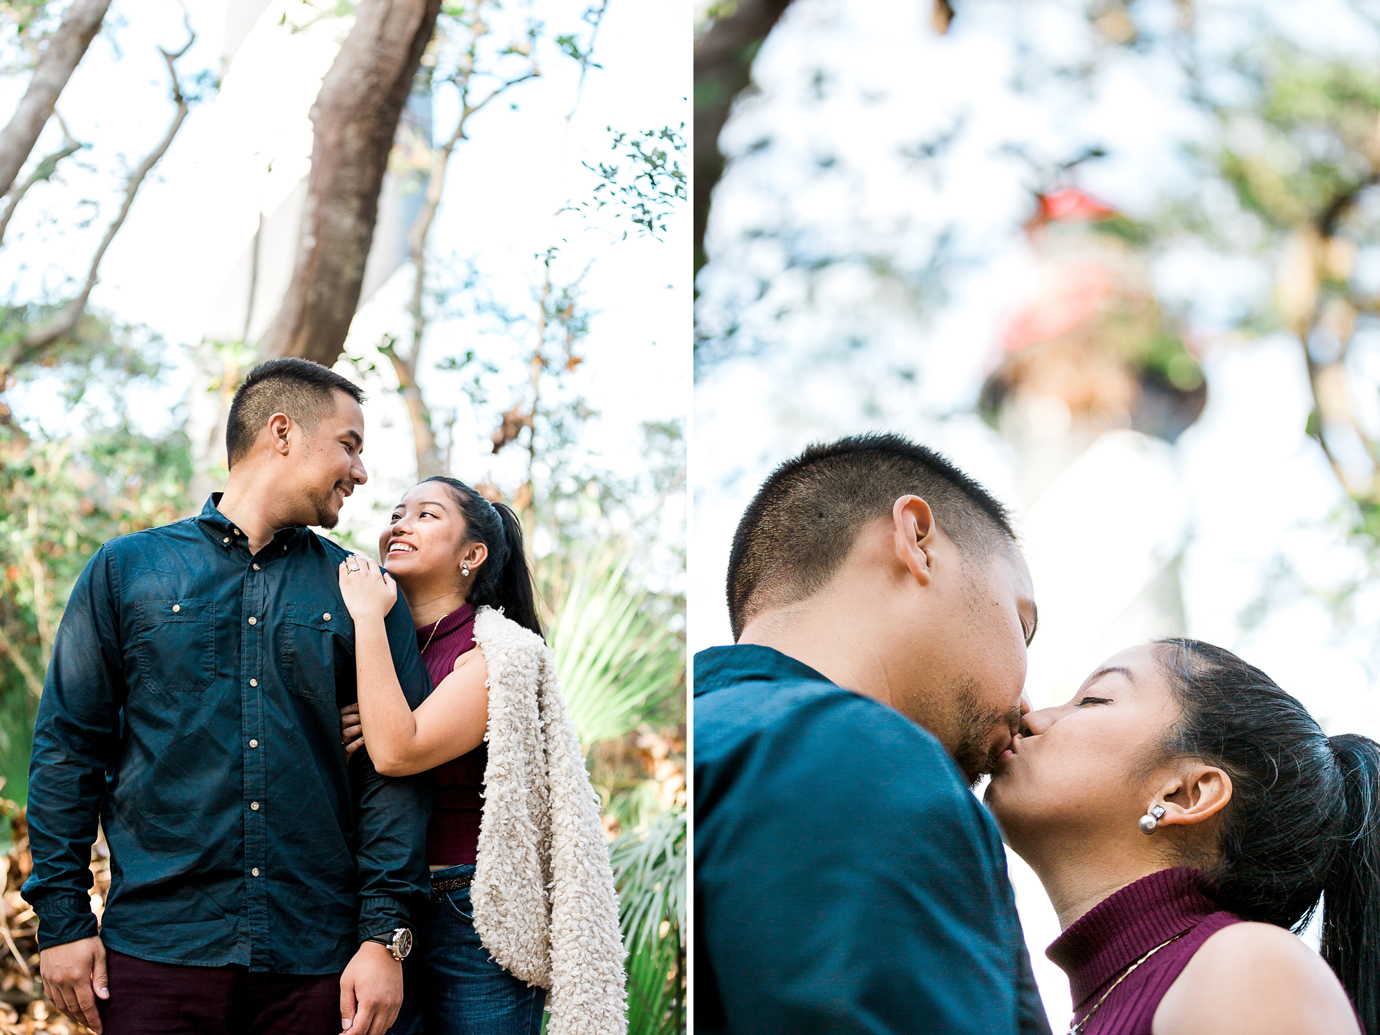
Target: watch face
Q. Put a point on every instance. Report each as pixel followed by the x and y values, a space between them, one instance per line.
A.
pixel 402 942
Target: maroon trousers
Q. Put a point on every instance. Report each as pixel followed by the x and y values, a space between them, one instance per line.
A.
pixel 166 999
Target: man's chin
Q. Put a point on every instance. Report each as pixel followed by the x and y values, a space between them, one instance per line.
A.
pixel 328 513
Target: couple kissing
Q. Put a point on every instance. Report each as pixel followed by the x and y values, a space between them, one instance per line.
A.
pixel 1183 812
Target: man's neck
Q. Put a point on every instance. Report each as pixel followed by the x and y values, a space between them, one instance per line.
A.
pixel 249 510
pixel 833 638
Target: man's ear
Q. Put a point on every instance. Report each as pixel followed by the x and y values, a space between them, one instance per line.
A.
pixel 915 535
pixel 280 433
pixel 1194 795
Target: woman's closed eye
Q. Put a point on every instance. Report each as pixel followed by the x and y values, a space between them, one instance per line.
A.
pixel 1094 700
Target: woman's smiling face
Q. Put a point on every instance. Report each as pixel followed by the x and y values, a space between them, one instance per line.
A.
pixel 425 533
pixel 1092 765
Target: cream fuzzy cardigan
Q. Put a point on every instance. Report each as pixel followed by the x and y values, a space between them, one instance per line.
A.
pixel 543 895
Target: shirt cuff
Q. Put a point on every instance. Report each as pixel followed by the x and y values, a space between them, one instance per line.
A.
pixel 381 915
pixel 65 920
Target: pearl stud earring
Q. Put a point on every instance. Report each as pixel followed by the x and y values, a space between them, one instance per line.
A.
pixel 465 568
pixel 1151 819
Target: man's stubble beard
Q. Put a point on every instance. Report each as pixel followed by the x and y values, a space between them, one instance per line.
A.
pixel 973 726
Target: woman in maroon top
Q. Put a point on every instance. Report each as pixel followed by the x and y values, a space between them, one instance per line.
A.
pixel 1185 814
pixel 451 552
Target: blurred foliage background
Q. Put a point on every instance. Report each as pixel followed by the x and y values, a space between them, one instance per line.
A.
pixel 1120 259
pixel 114 374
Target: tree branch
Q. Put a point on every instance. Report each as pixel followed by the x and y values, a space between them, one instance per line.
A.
pixel 45 170
pixel 59 60
pixel 429 460
pixel 42 338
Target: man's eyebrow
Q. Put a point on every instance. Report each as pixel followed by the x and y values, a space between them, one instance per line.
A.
pixel 357 438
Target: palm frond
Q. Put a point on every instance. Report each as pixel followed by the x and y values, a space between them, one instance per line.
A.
pixel 649 869
pixel 616 655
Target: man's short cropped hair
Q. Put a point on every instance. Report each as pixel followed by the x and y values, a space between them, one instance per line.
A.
pixel 805 518
pixel 300 388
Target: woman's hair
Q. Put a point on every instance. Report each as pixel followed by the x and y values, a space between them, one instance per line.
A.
pixel 503 580
pixel 1304 817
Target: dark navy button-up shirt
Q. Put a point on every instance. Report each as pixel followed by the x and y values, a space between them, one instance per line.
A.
pixel 192 708
pixel 846 881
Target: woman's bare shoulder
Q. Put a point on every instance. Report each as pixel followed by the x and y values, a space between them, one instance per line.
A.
pixel 472 658
pixel 1258 979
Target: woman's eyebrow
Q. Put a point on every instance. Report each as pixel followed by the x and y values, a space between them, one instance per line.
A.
pixel 1106 672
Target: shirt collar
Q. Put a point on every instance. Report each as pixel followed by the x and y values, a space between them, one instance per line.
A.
pixel 226 533
pixel 719 667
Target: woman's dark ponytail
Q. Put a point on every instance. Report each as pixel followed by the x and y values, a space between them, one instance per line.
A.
pixel 1304 817
pixel 503 580
pixel 1351 892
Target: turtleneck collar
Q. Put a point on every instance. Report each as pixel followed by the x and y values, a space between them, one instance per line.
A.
pixel 447 625
pixel 1126 925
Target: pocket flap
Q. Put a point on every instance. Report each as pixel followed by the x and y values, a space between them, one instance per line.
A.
pixel 148 613
pixel 319 616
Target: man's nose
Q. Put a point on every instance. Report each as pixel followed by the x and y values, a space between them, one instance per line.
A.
pixel 357 472
pixel 1025 703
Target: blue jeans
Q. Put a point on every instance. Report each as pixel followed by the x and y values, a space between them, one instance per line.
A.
pixel 451 985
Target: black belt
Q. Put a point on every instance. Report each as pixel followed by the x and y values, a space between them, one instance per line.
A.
pixel 451 883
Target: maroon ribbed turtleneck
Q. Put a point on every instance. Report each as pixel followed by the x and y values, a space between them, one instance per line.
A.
pixel 452 837
pixel 1101 944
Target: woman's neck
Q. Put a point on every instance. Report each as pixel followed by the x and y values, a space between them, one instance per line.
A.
pixel 1077 877
pixel 429 604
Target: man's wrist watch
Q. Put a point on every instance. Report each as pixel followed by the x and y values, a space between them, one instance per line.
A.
pixel 398 942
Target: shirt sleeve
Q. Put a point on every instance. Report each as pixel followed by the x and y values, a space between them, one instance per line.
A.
pixel 393 812
pixel 76 736
pixel 847 883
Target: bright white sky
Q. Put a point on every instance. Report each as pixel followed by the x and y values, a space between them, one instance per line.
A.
pixel 1242 490
pixel 196 215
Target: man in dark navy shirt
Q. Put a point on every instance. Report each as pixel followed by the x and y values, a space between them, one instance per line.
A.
pixel 192 709
pixel 846 880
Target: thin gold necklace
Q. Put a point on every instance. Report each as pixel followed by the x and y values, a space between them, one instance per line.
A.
pixel 1078 1027
pixel 433 633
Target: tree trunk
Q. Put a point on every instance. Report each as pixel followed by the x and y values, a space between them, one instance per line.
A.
pixel 723 69
pixel 59 59
pixel 355 119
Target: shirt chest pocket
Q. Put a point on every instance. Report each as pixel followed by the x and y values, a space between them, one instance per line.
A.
pixel 175 644
pixel 313 642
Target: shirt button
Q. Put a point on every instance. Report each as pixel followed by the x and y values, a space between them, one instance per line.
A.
pixel 177 608
pixel 255 871
pixel 256 567
pixel 226 539
pixel 254 805
pixel 235 530
pixel 326 616
pixel 253 620
pixel 253 682
pixel 253 743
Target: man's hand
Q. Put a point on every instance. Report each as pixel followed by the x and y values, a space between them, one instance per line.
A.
pixel 351 732
pixel 371 991
pixel 74 975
